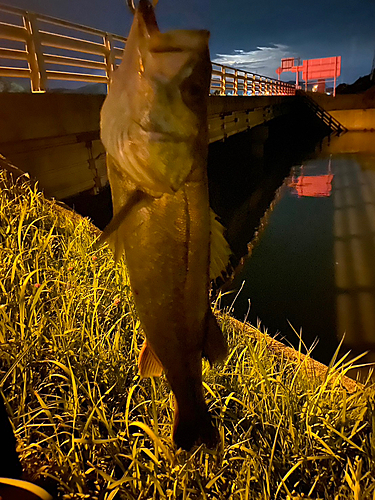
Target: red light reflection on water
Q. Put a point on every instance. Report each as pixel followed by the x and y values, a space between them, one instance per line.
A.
pixel 312 185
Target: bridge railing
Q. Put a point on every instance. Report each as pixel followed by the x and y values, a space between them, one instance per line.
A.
pixel 226 80
pixel 41 48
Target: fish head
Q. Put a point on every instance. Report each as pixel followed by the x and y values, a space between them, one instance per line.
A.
pixel 154 119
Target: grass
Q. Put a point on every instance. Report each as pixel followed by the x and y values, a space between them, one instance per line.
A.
pixel 88 427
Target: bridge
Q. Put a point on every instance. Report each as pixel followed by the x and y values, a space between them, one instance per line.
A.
pixel 55 135
pixel 48 47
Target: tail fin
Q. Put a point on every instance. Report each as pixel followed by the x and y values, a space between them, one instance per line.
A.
pixel 195 428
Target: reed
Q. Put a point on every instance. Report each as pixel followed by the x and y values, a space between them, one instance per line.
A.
pixel 90 428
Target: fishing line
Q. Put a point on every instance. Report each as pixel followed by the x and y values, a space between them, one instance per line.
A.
pixel 132 7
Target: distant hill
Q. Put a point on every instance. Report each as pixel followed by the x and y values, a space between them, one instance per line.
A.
pixel 363 84
pixel 7 85
pixel 91 88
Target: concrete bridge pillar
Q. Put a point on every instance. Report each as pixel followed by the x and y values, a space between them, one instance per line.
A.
pixel 259 135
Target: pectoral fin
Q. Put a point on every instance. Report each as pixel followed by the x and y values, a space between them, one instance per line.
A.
pixel 118 219
pixel 220 250
pixel 148 363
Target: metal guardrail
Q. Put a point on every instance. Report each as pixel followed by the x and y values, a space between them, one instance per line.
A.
pixel 323 115
pixel 226 80
pixel 42 48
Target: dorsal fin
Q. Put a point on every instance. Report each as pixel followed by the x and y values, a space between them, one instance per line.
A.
pixel 148 363
pixel 220 250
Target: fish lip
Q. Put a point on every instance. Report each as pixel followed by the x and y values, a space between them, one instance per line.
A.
pixel 146 11
pixel 157 135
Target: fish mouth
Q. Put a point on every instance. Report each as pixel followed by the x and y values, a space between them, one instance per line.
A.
pixel 146 12
pixel 165 137
pixel 156 135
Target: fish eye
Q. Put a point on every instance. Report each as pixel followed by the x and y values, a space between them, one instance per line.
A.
pixel 192 94
pixel 195 90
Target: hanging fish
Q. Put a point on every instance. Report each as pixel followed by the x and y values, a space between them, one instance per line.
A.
pixel 154 129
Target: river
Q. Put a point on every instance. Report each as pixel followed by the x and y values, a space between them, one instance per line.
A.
pixel 311 269
pixel 312 263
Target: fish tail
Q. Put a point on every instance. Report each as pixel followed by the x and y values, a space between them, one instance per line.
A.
pixel 196 428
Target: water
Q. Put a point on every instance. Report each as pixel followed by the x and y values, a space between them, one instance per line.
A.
pixel 314 265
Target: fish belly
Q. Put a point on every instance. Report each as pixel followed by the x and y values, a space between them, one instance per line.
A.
pixel 167 254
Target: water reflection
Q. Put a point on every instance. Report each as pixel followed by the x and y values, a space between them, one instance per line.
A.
pixel 354 251
pixel 315 263
pixel 312 185
pixel 286 278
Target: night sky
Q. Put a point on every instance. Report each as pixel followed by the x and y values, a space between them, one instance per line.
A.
pixel 247 34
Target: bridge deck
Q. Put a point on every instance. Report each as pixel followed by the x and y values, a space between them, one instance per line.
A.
pixel 51 115
pixel 56 137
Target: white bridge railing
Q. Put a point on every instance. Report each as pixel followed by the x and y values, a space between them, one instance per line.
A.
pixel 40 49
pixel 226 80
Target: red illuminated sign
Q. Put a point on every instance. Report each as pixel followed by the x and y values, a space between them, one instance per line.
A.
pixel 317 70
pixel 328 67
pixel 287 64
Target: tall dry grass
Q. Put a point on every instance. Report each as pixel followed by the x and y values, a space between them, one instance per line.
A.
pixel 90 428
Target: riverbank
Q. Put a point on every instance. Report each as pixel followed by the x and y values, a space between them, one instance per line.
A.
pixel 88 426
pixel 356 112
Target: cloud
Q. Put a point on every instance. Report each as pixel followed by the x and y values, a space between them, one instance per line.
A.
pixel 262 60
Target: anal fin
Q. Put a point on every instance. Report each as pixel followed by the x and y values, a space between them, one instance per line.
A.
pixel 215 347
pixel 148 363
